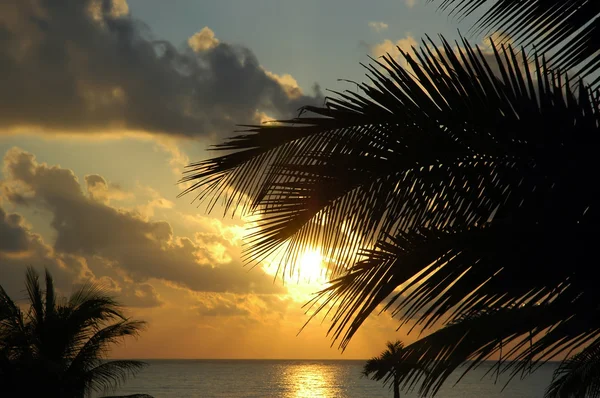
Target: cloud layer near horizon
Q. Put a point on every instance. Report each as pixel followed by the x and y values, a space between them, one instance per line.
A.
pixel 86 65
pixel 93 237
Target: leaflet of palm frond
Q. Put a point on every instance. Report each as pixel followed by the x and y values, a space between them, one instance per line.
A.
pixel 534 333
pixel 578 376
pixel 442 146
pixel 36 297
pixel 87 366
pixel 425 275
pixel 568 30
pixel 11 327
pixel 110 375
pixel 88 317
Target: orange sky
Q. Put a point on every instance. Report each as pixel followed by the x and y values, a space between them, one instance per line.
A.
pixel 97 122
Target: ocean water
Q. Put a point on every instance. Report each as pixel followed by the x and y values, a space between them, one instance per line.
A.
pixel 306 379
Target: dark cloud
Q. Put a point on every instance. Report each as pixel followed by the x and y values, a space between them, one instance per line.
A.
pixel 68 270
pixel 94 180
pixel 144 249
pixel 13 237
pixel 76 65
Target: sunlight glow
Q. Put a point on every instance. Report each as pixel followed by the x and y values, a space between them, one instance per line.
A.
pixel 308 277
pixel 310 267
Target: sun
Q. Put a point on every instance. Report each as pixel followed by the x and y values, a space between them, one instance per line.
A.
pixel 310 266
pixel 306 276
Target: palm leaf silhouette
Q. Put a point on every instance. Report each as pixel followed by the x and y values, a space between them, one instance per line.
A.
pixel 62 343
pixel 443 192
pixel 578 375
pixel 567 30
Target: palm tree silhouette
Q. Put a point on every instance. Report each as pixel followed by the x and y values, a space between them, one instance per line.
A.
pixel 56 348
pixel 451 192
pixel 390 365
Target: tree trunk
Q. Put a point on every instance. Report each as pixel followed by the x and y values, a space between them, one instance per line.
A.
pixel 396 387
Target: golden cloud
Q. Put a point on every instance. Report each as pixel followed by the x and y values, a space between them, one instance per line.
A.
pixel 203 40
pixel 390 47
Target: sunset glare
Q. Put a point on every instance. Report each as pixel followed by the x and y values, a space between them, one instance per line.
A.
pixel 311 267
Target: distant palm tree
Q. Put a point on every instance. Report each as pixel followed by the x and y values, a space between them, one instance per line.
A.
pixel 457 191
pixel 56 348
pixel 390 365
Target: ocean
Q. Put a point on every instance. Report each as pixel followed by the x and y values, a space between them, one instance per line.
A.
pixel 305 379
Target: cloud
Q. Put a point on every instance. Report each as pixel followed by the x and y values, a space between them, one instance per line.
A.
pixel 21 248
pixel 407 43
pixel 13 237
pixel 178 159
pixel 287 83
pixel 389 47
pixel 219 305
pixel 247 308
pixel 378 26
pixel 141 248
pixel 115 8
pixel 81 66
pixel 203 40
pixel 98 189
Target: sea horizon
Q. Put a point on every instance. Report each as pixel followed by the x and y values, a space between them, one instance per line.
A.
pixel 308 378
pixel 277 359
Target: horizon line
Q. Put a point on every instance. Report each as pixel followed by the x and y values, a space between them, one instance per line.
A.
pixel 273 359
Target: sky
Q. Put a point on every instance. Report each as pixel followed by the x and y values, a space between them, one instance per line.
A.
pixel 104 102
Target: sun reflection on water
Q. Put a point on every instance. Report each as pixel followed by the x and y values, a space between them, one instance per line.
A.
pixel 309 381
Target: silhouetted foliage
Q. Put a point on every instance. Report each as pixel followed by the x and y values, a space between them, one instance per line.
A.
pixel 56 348
pixel 568 31
pixel 578 376
pixel 456 191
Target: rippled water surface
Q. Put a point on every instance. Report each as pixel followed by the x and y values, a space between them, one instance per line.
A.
pixel 304 379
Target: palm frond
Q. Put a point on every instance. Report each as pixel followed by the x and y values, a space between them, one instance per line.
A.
pixel 96 347
pixel 525 338
pixel 567 30
pixel 426 276
pixel 578 376
pixel 108 376
pixel 13 339
pixel 9 310
pixel 462 185
pixel 443 146
pixel 36 298
pixel 50 296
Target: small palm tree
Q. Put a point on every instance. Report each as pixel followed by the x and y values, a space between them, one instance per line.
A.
pixel 390 365
pixel 57 347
